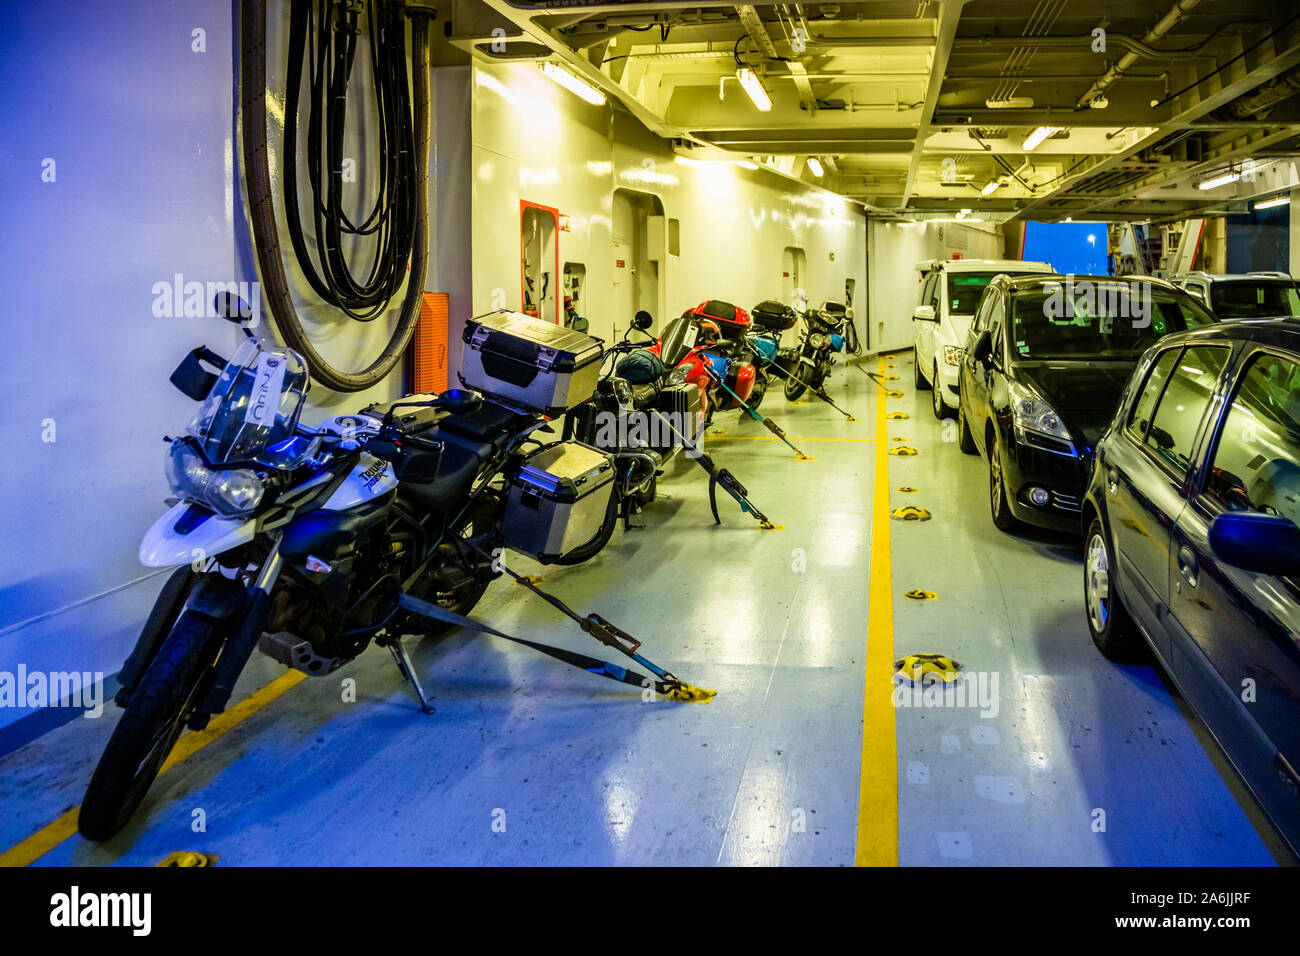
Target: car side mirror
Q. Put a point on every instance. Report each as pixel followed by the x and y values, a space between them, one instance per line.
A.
pixel 983 348
pixel 1266 544
pixel 925 313
pixel 460 401
pixel 642 320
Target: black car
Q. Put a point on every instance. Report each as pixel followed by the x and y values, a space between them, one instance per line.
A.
pixel 1044 365
pixel 1191 540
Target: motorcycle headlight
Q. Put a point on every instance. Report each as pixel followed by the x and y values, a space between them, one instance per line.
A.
pixel 952 354
pixel 230 492
pixel 1031 414
pixel 677 375
pixel 818 340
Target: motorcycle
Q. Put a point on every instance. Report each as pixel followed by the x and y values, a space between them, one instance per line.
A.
pixel 311 543
pixel 810 362
pixel 645 414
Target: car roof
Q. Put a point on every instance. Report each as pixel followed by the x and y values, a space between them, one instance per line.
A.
pixel 1017 283
pixel 983 265
pixel 1235 277
pixel 1283 333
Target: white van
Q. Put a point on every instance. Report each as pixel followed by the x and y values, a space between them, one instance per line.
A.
pixel 949 292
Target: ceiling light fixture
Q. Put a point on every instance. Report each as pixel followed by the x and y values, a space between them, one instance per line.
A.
pixel 1011 103
pixel 992 185
pixel 1270 203
pixel 1231 176
pixel 815 166
pixel 745 164
pixel 577 87
pixel 1038 135
pixel 749 82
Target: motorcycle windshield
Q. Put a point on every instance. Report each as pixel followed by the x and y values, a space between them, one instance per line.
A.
pixel 252 411
pixel 678 339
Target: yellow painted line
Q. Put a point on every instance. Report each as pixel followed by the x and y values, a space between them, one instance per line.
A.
pixel 878 785
pixel 713 438
pixel 52 834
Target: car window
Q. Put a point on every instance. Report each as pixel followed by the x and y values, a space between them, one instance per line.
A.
pixel 927 290
pixel 1256 466
pixel 982 314
pixel 995 323
pixel 1182 406
pixel 1246 299
pixel 935 301
pixel 1140 419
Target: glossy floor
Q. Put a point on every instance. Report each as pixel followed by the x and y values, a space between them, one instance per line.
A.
pixel 1065 759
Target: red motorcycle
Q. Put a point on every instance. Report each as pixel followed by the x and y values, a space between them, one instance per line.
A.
pixel 705 346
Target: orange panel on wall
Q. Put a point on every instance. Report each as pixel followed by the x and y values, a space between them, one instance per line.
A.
pixel 428 353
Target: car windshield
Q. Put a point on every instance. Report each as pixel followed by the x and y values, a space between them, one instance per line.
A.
pixel 1243 299
pixel 965 289
pixel 1097 320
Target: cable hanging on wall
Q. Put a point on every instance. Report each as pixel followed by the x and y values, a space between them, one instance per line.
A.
pixel 325 33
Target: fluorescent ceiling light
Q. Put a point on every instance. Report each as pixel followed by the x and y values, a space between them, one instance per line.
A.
pixel 963 213
pixel 992 185
pixel 1011 103
pixel 746 164
pixel 1270 203
pixel 574 85
pixel 962 219
pixel 1221 180
pixel 1038 135
pixel 815 166
pixel 751 85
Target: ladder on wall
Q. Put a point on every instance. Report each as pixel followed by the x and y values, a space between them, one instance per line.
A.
pixel 1184 254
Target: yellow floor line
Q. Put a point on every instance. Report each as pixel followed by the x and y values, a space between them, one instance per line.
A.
pixel 878 786
pixel 52 834
pixel 713 438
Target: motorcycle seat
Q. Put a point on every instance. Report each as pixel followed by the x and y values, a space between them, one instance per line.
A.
pixel 644 395
pixel 463 456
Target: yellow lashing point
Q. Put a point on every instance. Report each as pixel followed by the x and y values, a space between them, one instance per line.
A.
pixel 917 594
pixel 768 526
pixel 925 669
pixel 691 694
pixel 802 457
pixel 907 488
pixel 902 450
pixel 894 393
pixel 898 416
pixel 910 513
pixel 188 858
pixel 530 578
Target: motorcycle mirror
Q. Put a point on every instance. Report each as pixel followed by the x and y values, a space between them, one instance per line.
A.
pixel 460 401
pixel 642 320
pixel 231 307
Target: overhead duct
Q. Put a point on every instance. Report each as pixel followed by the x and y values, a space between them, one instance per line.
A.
pixel 1179 12
pixel 1258 103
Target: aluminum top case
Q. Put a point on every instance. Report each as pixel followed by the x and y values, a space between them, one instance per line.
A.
pixel 557 500
pixel 531 364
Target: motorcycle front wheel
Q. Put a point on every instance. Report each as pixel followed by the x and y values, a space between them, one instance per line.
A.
pixel 797 383
pixel 149 728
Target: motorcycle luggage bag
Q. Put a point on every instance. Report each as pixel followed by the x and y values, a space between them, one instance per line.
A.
pixel 774 316
pixel 557 499
pixel 529 363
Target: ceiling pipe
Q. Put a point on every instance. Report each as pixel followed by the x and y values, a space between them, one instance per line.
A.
pixel 1176 15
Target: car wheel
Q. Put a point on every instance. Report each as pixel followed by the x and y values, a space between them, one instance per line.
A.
pixel 937 403
pixel 1112 629
pixel 965 440
pixel 917 378
pixel 999 508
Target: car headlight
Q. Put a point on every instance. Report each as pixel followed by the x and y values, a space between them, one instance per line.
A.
pixel 1031 414
pixel 230 492
pixel 952 354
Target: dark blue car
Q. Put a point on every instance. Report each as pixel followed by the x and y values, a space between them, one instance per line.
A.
pixel 1191 540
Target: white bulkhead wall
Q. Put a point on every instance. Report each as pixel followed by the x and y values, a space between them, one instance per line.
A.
pixel 534 141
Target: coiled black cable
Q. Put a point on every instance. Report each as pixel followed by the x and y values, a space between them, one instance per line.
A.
pixel 323 35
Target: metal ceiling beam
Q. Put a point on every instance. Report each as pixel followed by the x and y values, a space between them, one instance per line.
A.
pixel 945 33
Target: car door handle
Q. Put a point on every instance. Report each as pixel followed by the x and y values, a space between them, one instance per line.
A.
pixel 1112 481
pixel 1187 565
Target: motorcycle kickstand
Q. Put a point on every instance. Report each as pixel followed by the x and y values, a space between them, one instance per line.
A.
pixel 403 661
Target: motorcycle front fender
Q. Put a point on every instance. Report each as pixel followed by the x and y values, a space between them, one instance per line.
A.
pixel 174 540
